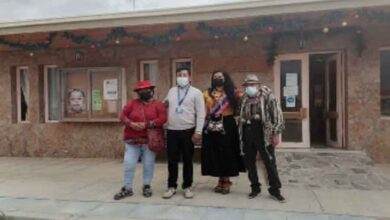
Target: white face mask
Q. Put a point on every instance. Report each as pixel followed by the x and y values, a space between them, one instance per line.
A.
pixel 251 90
pixel 182 81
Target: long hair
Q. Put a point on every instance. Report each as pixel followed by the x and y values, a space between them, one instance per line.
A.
pixel 228 87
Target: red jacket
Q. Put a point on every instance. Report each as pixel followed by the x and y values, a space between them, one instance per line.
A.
pixel 154 112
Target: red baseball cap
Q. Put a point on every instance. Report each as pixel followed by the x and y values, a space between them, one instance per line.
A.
pixel 144 84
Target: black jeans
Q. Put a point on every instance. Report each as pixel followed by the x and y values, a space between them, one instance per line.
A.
pixel 180 146
pixel 253 143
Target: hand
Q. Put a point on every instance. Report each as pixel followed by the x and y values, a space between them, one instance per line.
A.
pixel 275 140
pixel 196 138
pixel 138 126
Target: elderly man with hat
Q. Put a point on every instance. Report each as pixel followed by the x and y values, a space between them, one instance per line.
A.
pixel 260 125
pixel 139 115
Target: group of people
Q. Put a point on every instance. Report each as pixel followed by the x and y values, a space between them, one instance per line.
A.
pixel 231 125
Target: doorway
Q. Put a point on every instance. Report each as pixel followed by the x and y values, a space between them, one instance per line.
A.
pixel 325 100
pixel 310 90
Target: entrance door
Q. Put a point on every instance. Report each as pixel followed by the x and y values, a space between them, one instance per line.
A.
pixel 292 89
pixel 333 101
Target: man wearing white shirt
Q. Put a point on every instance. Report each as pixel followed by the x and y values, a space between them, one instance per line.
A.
pixel 186 116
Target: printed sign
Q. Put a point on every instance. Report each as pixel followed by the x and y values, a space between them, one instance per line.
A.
pixel 110 87
pixel 96 100
pixel 290 101
pixel 291 79
pixel 290 91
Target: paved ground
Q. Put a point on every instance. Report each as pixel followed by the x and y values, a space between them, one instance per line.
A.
pixel 318 184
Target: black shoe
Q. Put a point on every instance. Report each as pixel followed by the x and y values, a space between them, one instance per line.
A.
pixel 123 194
pixel 254 193
pixel 147 191
pixel 278 197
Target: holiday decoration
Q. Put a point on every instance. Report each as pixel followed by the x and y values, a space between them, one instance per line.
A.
pixel 30 46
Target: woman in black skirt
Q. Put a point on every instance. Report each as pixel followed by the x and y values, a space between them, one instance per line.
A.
pixel 220 143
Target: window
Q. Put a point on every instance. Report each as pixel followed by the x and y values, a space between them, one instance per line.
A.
pixel 52 93
pixel 22 94
pixel 92 94
pixel 385 82
pixel 180 63
pixel 149 71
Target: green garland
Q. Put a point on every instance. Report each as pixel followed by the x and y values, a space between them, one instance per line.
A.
pixel 260 24
pixel 118 33
pixel 30 46
pixel 271 24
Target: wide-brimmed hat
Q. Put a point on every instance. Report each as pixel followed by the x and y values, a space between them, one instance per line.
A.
pixel 144 84
pixel 251 79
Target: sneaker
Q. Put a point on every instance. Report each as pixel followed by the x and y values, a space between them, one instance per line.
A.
pixel 169 193
pixel 254 193
pixel 123 194
pixel 278 197
pixel 147 191
pixel 188 194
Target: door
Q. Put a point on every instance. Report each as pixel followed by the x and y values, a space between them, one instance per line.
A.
pixel 292 89
pixel 333 101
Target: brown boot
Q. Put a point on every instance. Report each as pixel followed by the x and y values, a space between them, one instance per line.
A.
pixel 226 186
pixel 218 188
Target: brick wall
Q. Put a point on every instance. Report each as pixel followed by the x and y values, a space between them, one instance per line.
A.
pixel 366 130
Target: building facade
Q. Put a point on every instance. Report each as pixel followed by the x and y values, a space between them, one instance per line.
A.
pixel 329 65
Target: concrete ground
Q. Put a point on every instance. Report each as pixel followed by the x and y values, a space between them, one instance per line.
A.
pixel 318 184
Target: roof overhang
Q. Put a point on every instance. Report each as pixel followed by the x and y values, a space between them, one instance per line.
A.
pixel 190 14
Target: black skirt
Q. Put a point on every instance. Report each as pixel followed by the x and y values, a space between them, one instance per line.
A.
pixel 221 152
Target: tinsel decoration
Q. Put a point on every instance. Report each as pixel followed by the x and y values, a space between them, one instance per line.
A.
pixel 118 33
pixel 30 46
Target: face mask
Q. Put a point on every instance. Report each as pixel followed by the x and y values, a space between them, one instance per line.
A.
pixel 251 90
pixel 145 96
pixel 218 82
pixel 182 81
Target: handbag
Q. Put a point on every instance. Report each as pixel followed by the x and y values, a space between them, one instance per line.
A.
pixel 155 137
pixel 215 126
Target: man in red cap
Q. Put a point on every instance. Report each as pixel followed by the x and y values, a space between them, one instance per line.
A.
pixel 138 115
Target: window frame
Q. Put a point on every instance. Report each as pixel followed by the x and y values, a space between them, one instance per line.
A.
pixel 173 67
pixel 46 92
pixel 18 96
pixel 384 117
pixel 122 91
pixel 142 72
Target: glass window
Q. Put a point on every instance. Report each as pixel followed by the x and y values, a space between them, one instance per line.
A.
pixel 92 94
pixel 52 93
pixel 23 93
pixel 149 71
pixel 385 82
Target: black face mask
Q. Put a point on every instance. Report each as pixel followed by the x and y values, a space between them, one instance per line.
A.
pixel 145 96
pixel 218 82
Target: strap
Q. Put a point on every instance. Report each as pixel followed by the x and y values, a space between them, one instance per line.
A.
pixel 180 101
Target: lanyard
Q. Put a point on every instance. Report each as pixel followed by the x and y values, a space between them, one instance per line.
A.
pixel 181 100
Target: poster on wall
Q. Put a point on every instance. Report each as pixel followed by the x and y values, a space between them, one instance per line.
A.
pixel 110 89
pixel 76 101
pixel 96 100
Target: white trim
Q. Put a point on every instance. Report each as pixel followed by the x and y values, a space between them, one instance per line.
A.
pixel 46 93
pixel 142 71
pixel 304 57
pixel 173 67
pixel 185 14
pixel 18 95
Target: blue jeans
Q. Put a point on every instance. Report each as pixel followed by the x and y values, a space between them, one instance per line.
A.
pixel 132 154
